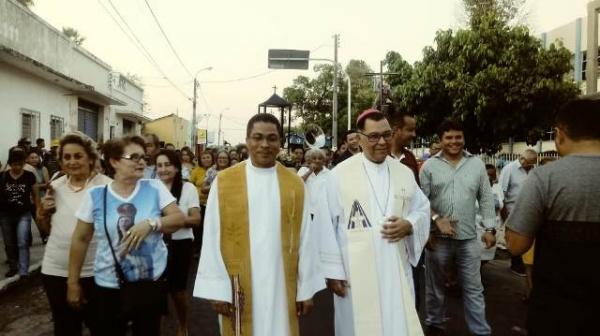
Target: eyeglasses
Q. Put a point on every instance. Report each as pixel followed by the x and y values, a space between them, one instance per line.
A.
pixel 136 157
pixel 374 137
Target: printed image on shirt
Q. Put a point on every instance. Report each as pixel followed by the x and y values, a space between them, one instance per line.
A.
pixel 137 264
pixel 149 260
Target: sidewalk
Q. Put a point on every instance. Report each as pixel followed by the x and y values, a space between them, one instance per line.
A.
pixel 36 254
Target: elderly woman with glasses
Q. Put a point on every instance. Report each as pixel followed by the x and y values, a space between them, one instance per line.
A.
pixel 127 218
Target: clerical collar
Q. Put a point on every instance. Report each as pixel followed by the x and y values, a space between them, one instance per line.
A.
pixel 373 165
pixel 260 170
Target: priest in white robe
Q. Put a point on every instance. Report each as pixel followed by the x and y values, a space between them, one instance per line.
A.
pixel 372 189
pixel 264 203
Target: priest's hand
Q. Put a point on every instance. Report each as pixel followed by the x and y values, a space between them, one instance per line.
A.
pixel 396 228
pixel 489 239
pixel 222 307
pixel 337 286
pixel 304 307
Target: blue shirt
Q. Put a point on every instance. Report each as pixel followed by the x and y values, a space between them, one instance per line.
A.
pixel 145 202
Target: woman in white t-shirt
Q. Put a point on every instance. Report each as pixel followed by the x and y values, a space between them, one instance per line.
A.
pixel 168 169
pixel 78 156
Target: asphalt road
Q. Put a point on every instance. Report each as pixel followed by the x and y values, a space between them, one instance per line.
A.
pixel 24 308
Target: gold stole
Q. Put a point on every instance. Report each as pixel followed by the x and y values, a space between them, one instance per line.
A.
pixel 235 236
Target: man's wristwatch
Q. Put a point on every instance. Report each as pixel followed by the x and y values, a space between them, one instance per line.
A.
pixel 492 230
pixel 435 217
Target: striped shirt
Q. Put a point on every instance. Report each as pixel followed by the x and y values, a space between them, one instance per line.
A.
pixel 452 192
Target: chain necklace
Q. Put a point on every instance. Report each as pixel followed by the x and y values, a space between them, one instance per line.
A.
pixel 387 195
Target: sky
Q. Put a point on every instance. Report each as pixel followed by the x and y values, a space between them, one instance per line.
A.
pixel 233 37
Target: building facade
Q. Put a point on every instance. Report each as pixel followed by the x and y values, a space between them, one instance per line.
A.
pixel 49 85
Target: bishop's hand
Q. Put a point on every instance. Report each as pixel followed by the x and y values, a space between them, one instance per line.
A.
pixel 396 228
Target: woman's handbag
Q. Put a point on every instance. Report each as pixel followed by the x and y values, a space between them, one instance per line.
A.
pixel 142 296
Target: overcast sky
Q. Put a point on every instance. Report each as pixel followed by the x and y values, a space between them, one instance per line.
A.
pixel 233 37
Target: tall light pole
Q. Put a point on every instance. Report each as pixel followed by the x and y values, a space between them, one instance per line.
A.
pixel 335 88
pixel 220 118
pixel 194 119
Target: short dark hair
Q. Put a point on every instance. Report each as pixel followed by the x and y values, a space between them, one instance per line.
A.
pixel 372 116
pixel 263 117
pixel 348 132
pixel 169 144
pixel 114 149
pixel 155 140
pixel 489 166
pixel 39 141
pixel 17 155
pixel 398 117
pixel 580 119
pixel 448 125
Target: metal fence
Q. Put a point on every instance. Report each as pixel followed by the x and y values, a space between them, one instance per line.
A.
pixel 497 160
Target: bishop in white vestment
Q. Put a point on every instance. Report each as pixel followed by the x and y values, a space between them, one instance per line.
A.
pixel 383 190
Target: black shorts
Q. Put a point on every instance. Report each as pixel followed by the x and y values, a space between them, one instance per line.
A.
pixel 178 265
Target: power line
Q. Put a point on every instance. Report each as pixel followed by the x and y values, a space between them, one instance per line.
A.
pixel 166 38
pixel 143 49
pixel 239 79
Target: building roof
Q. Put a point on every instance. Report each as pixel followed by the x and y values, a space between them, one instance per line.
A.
pixel 275 101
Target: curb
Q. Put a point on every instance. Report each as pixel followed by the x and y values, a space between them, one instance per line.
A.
pixel 5 284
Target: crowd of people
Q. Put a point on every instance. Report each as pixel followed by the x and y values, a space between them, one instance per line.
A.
pixel 368 232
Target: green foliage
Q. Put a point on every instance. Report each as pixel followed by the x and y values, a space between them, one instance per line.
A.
pixel 498 80
pixel 26 3
pixel 312 99
pixel 396 64
pixel 73 35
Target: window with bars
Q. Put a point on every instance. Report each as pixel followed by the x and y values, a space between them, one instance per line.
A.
pixel 56 127
pixel 30 124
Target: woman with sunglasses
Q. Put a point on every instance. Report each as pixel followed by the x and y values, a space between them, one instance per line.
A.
pixel 77 155
pixel 168 168
pixel 128 218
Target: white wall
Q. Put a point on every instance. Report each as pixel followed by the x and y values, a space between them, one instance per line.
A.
pixel 28 34
pixel 18 90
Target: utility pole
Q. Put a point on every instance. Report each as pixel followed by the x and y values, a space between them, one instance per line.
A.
pixel 194 131
pixel 335 89
pixel 219 134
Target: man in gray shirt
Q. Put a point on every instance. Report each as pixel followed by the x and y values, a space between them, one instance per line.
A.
pixel 559 207
pixel 454 180
pixel 512 177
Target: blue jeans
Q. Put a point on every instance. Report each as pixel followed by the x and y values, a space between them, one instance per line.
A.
pixel 466 254
pixel 16 231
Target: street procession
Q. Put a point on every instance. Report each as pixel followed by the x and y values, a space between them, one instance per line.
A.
pixel 268 168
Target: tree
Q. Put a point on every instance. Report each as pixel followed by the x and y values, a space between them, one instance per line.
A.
pixel 395 63
pixel 26 3
pixel 73 35
pixel 498 80
pixel 312 99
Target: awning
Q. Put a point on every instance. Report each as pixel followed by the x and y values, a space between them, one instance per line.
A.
pixel 29 65
pixel 133 116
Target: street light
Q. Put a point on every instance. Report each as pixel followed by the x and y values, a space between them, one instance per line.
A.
pixel 194 120
pixel 219 134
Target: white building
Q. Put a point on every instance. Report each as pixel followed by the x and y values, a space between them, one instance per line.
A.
pixel 49 85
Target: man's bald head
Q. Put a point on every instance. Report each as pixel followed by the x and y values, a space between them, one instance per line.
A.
pixel 528 159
